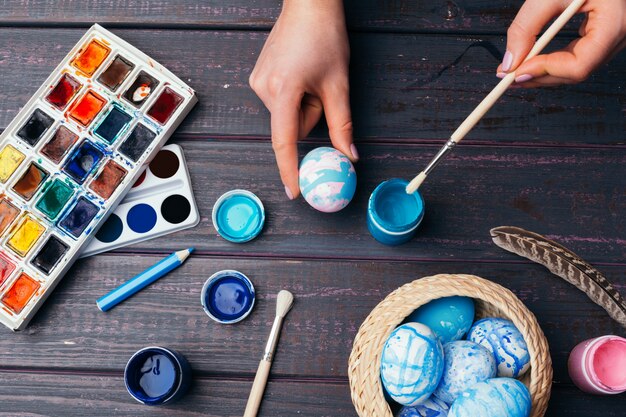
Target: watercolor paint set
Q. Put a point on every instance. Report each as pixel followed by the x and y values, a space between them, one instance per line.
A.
pixel 160 202
pixel 70 156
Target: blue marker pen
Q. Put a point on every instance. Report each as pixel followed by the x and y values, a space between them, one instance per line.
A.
pixel 142 280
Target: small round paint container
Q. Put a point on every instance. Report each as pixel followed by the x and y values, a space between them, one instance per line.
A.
pixel 598 366
pixel 393 215
pixel 228 296
pixel 238 216
pixel 156 375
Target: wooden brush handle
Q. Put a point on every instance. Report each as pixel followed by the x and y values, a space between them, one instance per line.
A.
pixel 502 86
pixel 258 388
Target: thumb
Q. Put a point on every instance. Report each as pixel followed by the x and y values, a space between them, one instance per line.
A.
pixel 583 55
pixel 336 102
pixel 521 35
pixel 285 128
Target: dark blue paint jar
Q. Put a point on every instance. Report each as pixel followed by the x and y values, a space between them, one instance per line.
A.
pixel 156 375
pixel 393 216
pixel 228 296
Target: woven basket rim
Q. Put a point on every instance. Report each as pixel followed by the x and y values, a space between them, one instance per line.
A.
pixel 364 363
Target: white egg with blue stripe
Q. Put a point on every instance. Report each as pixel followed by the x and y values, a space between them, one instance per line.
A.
pixel 497 397
pixel 411 364
pixel 506 343
pixel 432 407
pixel 465 364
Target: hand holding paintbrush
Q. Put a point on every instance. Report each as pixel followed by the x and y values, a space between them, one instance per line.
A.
pixel 484 106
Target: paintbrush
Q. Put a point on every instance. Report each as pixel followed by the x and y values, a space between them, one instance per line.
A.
pixel 484 106
pixel 284 301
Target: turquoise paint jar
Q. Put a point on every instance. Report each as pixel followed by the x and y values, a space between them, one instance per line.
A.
pixel 393 216
pixel 238 216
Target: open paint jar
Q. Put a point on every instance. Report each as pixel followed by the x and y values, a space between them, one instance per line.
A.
pixel 393 215
pixel 238 216
pixel 228 296
pixel 156 375
pixel 598 366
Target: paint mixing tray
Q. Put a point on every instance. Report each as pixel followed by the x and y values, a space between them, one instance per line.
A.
pixel 159 203
pixel 70 156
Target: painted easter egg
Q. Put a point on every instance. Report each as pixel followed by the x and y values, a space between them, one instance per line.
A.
pixel 327 179
pixel 506 343
pixel 465 364
pixel 411 364
pixel 432 407
pixel 449 317
pixel 497 397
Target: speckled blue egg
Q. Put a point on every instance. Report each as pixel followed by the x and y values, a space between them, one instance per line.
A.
pixel 411 364
pixel 506 343
pixel 432 407
pixel 327 179
pixel 449 317
pixel 465 364
pixel 498 397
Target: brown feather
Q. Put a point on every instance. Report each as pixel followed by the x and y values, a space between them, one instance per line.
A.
pixel 564 263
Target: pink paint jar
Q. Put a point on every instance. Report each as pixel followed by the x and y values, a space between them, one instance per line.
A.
pixel 598 366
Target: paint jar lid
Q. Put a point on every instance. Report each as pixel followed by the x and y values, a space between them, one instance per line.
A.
pixel 228 296
pixel 156 375
pixel 393 210
pixel 238 216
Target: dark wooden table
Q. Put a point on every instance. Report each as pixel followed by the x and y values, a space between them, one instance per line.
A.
pixel 552 161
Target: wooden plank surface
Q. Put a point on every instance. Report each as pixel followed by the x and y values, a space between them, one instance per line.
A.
pixel 332 300
pixel 573 195
pixel 405 88
pixel 105 395
pixel 493 16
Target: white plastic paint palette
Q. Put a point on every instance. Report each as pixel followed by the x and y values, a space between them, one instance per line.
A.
pixel 160 202
pixel 70 156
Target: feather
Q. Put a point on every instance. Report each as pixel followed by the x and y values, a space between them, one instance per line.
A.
pixel 564 263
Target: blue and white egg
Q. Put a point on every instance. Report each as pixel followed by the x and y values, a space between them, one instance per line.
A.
pixel 465 364
pixel 506 343
pixel 411 364
pixel 432 407
pixel 327 179
pixel 449 317
pixel 497 397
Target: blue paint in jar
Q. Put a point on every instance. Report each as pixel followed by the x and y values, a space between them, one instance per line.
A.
pixel 228 296
pixel 156 375
pixel 393 215
pixel 238 216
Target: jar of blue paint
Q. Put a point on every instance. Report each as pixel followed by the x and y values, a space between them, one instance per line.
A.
pixel 238 216
pixel 393 216
pixel 228 296
pixel 156 375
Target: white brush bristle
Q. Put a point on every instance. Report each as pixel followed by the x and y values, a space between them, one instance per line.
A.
pixel 284 301
pixel 415 183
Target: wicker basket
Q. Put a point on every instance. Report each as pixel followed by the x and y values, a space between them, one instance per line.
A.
pixel 491 300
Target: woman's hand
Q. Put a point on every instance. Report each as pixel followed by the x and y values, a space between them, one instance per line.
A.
pixel 301 72
pixel 602 36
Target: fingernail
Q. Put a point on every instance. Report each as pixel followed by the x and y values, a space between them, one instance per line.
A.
pixel 523 78
pixel 355 153
pixel 507 61
pixel 288 192
pixel 501 74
